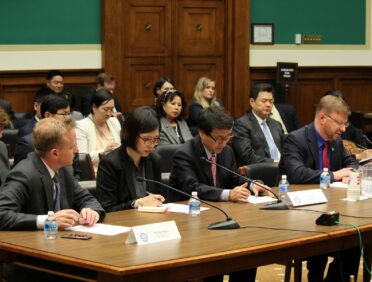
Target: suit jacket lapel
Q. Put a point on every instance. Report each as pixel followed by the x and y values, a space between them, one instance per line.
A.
pixel 169 131
pixel 205 166
pixel 313 143
pixel 126 172
pixel 257 129
pixel 46 180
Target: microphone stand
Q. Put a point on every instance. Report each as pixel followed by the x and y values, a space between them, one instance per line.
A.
pixel 279 205
pixel 226 224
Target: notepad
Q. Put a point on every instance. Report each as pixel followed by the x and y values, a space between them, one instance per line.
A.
pixel 153 209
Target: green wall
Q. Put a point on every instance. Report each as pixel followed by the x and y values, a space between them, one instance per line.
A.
pixel 50 22
pixel 338 21
pixel 79 21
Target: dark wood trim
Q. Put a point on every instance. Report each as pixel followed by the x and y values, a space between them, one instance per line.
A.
pixel 19 87
pixel 354 82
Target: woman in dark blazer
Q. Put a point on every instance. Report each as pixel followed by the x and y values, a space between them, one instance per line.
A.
pixel 170 108
pixel 117 188
pixel 204 97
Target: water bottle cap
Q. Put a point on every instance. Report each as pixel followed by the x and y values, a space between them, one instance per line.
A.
pixel 50 213
pixel 194 193
pixel 325 169
pixel 284 176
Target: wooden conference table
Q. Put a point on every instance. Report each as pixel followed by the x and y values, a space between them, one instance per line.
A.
pixel 200 252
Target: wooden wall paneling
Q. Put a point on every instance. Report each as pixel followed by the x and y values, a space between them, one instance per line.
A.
pixel 20 87
pixel 357 93
pixel 200 28
pixel 237 75
pixel 308 94
pixel 113 44
pixel 147 25
pixel 142 73
pixel 189 70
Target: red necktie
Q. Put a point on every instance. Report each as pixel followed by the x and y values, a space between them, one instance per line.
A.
pixel 325 155
pixel 214 169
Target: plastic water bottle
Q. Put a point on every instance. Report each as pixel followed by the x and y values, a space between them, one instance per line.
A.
pixel 325 179
pixel 194 205
pixel 51 226
pixel 283 188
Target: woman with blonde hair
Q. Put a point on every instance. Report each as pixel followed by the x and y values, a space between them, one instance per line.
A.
pixel 204 97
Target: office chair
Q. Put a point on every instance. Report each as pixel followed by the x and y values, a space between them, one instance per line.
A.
pixel 267 172
pixel 165 153
pixel 10 137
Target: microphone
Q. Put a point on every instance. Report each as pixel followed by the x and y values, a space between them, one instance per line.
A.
pixel 227 224
pixel 279 205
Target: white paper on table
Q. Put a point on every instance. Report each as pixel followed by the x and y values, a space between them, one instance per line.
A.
pixel 339 184
pixel 260 200
pixel 180 208
pixel 101 229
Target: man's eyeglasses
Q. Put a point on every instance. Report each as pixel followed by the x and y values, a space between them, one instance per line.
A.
pixel 150 141
pixel 339 123
pixel 221 139
pixel 63 114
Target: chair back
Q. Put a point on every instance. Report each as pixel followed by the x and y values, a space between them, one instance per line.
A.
pixel 166 153
pixel 86 167
pixel 10 137
pixel 267 172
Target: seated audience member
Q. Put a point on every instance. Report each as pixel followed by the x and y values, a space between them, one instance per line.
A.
pixel 257 137
pixel 190 173
pixel 286 115
pixel 117 188
pixel 54 85
pixel 4 159
pixel 205 96
pixel 170 108
pixel 29 126
pixel 162 85
pixel 44 182
pixel 104 80
pixel 7 108
pixel 306 152
pixel 99 133
pixel 51 106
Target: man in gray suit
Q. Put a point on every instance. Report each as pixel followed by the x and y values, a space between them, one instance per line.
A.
pixel 29 191
pixel 258 138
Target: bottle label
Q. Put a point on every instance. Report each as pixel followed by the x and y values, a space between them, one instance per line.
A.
pixel 283 188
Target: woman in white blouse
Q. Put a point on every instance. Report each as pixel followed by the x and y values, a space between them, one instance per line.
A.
pixel 99 133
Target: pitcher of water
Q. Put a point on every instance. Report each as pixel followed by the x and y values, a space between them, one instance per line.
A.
pixel 366 180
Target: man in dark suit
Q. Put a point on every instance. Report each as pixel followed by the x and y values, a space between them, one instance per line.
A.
pixel 51 106
pixel 30 190
pixel 190 173
pixel 287 116
pixel 54 85
pixel 305 153
pixel 258 138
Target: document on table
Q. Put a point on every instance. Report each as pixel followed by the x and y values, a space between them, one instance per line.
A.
pixel 260 200
pixel 339 184
pixel 180 208
pixel 101 229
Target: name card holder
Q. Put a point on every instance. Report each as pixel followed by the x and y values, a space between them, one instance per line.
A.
pixel 307 197
pixel 153 233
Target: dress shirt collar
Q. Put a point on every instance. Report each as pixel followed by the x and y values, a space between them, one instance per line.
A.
pixel 51 172
pixel 260 120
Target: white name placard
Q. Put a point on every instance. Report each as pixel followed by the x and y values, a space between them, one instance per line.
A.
pixel 153 233
pixel 307 197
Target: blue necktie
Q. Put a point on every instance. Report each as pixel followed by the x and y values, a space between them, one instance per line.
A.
pixel 57 199
pixel 270 141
